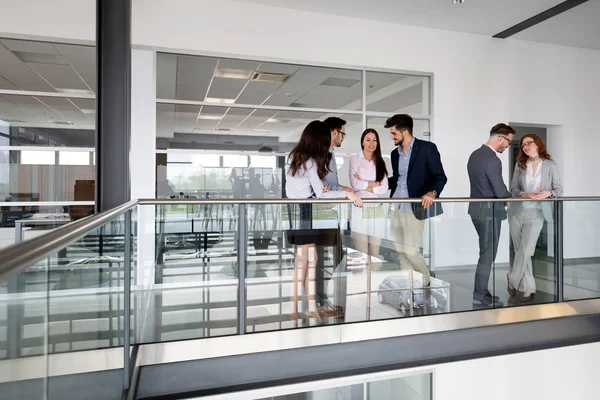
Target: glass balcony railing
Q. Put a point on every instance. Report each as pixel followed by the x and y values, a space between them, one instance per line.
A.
pixel 156 271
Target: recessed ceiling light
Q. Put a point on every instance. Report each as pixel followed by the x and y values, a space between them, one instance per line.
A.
pixel 233 73
pixel 60 122
pixel 273 120
pixel 458 1
pixel 211 117
pixel 218 100
pixel 75 91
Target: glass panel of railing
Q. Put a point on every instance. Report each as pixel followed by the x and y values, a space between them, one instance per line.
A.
pixel 24 330
pixel 581 253
pixel 84 286
pixel 86 283
pixel 335 263
pixel 186 284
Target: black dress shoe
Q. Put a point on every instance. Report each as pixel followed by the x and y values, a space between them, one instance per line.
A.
pixel 496 298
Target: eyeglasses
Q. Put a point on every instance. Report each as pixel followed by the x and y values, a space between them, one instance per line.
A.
pixel 527 144
pixel 342 133
pixel 505 138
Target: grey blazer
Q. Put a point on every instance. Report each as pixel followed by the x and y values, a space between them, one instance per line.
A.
pixel 485 176
pixel 550 181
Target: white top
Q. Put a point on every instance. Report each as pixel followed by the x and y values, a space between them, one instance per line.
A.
pixel 307 183
pixel 532 183
pixel 367 171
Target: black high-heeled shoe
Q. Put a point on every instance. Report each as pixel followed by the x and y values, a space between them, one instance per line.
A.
pixel 512 291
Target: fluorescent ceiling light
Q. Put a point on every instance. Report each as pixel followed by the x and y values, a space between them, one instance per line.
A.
pixel 219 100
pixel 33 157
pixel 75 91
pixel 233 73
pixel 210 117
pixel 273 120
pixel 73 158
pixel 262 130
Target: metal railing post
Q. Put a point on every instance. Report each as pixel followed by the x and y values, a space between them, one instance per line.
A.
pixel 558 253
pixel 127 301
pixel 241 267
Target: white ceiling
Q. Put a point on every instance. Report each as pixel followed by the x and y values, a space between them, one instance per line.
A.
pixel 196 78
pixel 577 27
pixel 47 67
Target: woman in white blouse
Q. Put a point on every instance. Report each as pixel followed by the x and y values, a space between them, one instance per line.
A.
pixel 535 177
pixel 368 175
pixel 307 166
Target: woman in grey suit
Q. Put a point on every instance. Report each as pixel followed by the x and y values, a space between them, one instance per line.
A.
pixel 535 177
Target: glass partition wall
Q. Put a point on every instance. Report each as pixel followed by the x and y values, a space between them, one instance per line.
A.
pixel 47 122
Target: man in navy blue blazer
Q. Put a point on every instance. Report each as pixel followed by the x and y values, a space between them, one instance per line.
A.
pixel 417 173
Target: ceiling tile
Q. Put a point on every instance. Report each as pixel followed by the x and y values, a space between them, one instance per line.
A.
pixel 257 92
pixel 226 88
pixel 194 75
pixel 17 72
pixel 59 76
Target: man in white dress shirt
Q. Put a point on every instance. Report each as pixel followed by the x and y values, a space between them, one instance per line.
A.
pixel 337 127
pixel 338 134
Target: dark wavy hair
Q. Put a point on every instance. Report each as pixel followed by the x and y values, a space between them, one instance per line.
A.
pixel 314 143
pixel 542 152
pixel 380 168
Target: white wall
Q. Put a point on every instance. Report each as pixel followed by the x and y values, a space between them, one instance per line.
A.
pixel 478 81
pixel 555 374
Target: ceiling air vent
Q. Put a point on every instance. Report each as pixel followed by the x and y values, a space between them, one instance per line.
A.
pixel 223 129
pixel 62 122
pixel 269 77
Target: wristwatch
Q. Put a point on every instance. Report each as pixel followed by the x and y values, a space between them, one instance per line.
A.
pixel 435 194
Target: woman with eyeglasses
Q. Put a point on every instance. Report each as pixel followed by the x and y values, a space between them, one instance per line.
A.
pixel 368 176
pixel 307 166
pixel 535 177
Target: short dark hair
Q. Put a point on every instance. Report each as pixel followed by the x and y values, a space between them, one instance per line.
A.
pixel 335 123
pixel 400 122
pixel 502 129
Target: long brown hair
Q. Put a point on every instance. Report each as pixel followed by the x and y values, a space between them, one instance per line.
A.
pixel 380 168
pixel 314 143
pixel 542 152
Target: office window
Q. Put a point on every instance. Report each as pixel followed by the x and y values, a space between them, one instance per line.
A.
pixel 254 108
pixel 47 104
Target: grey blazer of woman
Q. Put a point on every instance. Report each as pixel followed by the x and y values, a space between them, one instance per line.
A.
pixel 550 181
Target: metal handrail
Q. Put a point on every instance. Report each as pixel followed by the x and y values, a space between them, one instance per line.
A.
pixel 148 202
pixel 20 256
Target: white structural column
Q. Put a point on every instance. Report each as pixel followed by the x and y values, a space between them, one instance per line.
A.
pixel 143 178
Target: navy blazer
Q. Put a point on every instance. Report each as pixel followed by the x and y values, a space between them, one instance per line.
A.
pixel 425 173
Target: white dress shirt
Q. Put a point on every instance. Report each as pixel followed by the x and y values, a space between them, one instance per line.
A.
pixel 307 183
pixel 367 171
pixel 532 183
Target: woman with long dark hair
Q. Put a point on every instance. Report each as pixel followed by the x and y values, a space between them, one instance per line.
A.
pixel 368 175
pixel 307 166
pixel 535 177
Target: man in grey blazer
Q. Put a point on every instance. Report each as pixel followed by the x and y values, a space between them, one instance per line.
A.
pixel 485 176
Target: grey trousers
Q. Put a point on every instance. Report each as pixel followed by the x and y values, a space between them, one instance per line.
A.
pixel 488 230
pixel 525 227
